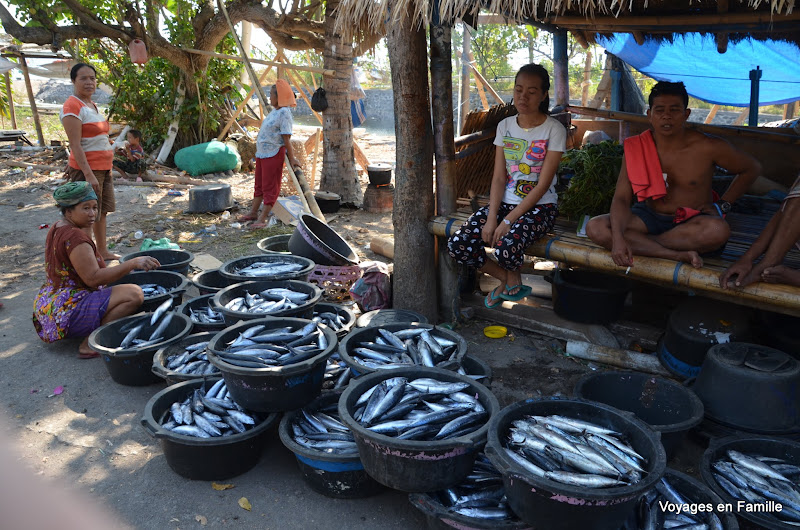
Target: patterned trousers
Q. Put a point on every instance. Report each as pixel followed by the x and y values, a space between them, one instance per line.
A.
pixel 466 246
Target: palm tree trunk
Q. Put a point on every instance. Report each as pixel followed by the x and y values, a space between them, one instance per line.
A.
pixel 338 164
pixel 414 246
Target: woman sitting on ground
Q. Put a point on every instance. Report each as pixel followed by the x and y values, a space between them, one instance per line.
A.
pixel 73 301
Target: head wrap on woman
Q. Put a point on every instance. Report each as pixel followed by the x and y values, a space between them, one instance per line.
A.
pixel 74 193
pixel 285 95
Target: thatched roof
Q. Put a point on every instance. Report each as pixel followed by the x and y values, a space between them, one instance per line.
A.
pixel 645 19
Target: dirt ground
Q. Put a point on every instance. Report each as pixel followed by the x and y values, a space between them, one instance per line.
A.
pixel 88 438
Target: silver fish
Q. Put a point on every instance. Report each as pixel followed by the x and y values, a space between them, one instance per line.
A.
pixel 160 310
pixel 193 416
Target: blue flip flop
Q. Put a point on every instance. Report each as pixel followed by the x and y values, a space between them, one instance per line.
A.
pixel 490 301
pixel 524 291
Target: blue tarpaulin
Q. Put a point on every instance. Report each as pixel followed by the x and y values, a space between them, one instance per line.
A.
pixel 721 78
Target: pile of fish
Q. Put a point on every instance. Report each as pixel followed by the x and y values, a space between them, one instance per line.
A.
pixel 652 516
pixel 574 452
pixel 333 320
pixel 134 330
pixel 481 495
pixel 265 269
pixel 193 361
pixel 209 315
pixel 323 430
pixel 758 479
pixel 257 347
pixel 151 290
pixel 422 409
pixel 206 414
pixel 337 373
pixel 267 301
pixel 398 349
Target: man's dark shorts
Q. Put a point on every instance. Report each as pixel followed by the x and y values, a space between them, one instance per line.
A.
pixel 656 223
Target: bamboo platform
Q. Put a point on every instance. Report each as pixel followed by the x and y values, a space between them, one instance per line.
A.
pixel 563 245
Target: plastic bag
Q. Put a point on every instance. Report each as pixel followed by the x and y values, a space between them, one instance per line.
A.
pixel 318 101
pixel 163 243
pixel 374 289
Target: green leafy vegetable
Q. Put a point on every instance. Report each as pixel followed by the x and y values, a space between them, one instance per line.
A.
pixel 595 169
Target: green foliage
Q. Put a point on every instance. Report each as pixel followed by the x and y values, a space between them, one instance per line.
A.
pixel 595 169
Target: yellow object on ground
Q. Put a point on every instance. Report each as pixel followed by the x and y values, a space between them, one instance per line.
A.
pixel 495 332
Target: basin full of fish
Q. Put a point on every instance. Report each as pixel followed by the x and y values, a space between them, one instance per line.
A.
pixel 337 373
pixel 400 348
pixel 574 452
pixel 267 301
pixel 422 409
pixel 321 429
pixel 192 361
pixel 481 495
pixel 134 334
pixel 333 319
pixel 267 269
pixel 259 347
pixel 152 290
pixel 757 479
pixel 208 414
pixel 651 514
pixel 206 315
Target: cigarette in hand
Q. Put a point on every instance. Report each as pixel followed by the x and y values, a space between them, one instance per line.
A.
pixel 627 270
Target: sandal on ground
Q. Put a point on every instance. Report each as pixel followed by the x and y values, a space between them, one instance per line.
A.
pixel 88 355
pixel 246 217
pixel 524 291
pixel 257 225
pixel 492 301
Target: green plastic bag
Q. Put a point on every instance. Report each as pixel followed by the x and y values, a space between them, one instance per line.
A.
pixel 163 243
pixel 209 157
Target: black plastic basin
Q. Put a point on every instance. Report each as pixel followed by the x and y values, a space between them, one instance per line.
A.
pixel 320 243
pixel 170 259
pixel 229 268
pixel 304 310
pixel 588 297
pixel 176 348
pixel 200 304
pixel 275 244
pixel 211 281
pixel 175 283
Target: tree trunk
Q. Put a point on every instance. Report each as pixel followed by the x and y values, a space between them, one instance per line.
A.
pixel 338 164
pixel 414 246
pixel 445 151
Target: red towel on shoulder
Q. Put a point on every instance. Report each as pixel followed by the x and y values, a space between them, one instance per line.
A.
pixel 644 167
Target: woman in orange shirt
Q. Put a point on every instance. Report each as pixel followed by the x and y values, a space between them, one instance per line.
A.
pixel 91 155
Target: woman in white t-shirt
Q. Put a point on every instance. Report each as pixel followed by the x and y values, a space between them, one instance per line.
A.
pixel 522 201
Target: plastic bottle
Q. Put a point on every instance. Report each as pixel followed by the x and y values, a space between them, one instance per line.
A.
pixel 226 215
pixel 138 234
pixel 236 225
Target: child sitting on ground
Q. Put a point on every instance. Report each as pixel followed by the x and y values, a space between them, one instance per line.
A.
pixel 129 159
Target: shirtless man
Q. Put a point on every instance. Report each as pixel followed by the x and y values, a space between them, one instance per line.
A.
pixel 688 158
pixel 778 237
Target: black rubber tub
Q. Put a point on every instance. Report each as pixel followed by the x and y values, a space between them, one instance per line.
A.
pixel 332 475
pixel 379 173
pixel 174 282
pixel 211 281
pixel 273 389
pixel 751 388
pixel 229 267
pixel 473 365
pixel 320 243
pixel 668 407
pixel 337 309
pixel 304 310
pixel 133 366
pixel 381 317
pixel 176 348
pixel 328 202
pixel 200 304
pixel 778 331
pixel 439 517
pixel 216 458
pixel 760 445
pixel 588 297
pixel 697 493
pixel 170 259
pixel 275 244
pixel 416 466
pixel 551 505
pixel 358 335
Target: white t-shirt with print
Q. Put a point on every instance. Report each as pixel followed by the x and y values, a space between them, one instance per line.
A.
pixel 525 150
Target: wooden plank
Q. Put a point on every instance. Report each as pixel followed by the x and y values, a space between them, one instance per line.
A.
pixel 10 93
pixel 711 114
pixel 37 123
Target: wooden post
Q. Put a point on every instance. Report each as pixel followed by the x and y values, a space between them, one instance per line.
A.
pixel 247 33
pixel 172 132
pixel 742 116
pixel 711 114
pixel 587 78
pixel 561 67
pixel 463 98
pixel 445 153
pixel 11 109
pixel 480 80
pixel 317 141
pixel 34 110
pixel 415 254
pixel 243 104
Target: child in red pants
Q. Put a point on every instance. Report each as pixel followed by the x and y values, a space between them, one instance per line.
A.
pixel 273 144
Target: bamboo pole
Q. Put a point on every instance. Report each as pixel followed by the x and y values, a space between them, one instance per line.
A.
pixel 587 78
pixel 720 130
pixel 479 77
pixel 742 116
pixel 711 114
pixel 10 92
pixel 34 110
pixel 772 297
pixel 259 61
pixel 463 98
pixel 632 360
pixel 313 77
pixel 243 104
pixel 318 136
